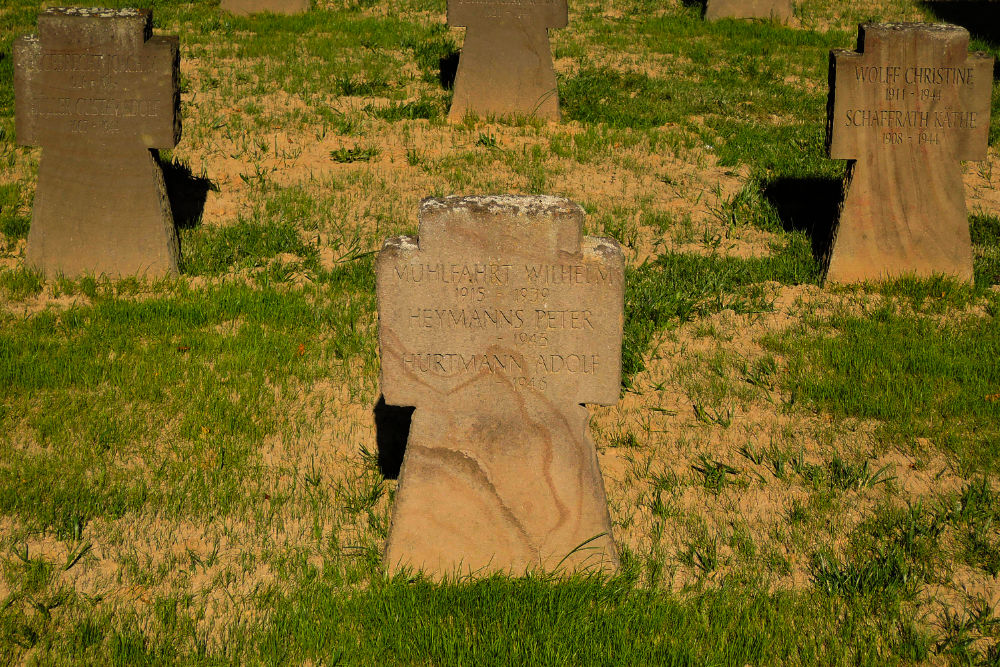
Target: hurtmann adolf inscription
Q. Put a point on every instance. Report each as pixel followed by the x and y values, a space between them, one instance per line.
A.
pixel 906 108
pixel 97 91
pixel 497 323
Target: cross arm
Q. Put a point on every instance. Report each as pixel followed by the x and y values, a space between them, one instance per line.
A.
pixel 165 87
pixel 976 99
pixel 27 57
pixel 843 90
pixel 399 387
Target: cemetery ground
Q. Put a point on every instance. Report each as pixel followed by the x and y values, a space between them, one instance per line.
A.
pixel 191 468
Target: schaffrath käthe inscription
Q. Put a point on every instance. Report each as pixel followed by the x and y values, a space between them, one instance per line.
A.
pixel 497 323
pixel 506 63
pixel 96 90
pixel 906 109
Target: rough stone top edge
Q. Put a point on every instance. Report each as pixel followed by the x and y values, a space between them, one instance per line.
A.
pixel 904 26
pixel 604 245
pixel 95 12
pixel 401 243
pixel 527 205
pixel 600 244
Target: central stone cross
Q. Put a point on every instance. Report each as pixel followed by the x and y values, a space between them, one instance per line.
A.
pixel 506 64
pixel 97 91
pixel 906 109
pixel 497 323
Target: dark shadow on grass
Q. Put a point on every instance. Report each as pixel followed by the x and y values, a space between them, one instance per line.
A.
pixel 187 193
pixel 448 69
pixel 980 17
pixel 807 204
pixel 701 5
pixel 392 428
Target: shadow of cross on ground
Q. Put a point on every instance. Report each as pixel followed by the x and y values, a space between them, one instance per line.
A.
pixel 809 205
pixel 187 193
pixel 497 323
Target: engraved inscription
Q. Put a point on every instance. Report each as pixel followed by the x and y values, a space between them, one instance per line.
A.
pixel 908 98
pixel 501 274
pixel 92 91
pixel 524 309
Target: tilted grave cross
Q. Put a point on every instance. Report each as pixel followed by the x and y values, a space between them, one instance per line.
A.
pixel 779 10
pixel 246 7
pixel 906 109
pixel 506 63
pixel 96 90
pixel 497 323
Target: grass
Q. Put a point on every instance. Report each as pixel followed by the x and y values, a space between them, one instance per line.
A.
pixel 531 620
pixel 918 377
pixel 195 373
pixel 356 154
pixel 679 287
pixel 190 470
pixel 247 244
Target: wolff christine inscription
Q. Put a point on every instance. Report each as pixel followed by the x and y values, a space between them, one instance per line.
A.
pixel 506 64
pixel 246 7
pixel 778 10
pixel 96 90
pixel 905 109
pixel 497 323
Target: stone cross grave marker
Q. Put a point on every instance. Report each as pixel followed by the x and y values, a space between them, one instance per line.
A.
pixel 497 323
pixel 247 7
pixel 906 108
pixel 96 90
pixel 778 10
pixel 506 63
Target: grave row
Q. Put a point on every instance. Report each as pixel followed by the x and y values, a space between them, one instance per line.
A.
pixel 500 320
pixel 97 90
pixel 778 10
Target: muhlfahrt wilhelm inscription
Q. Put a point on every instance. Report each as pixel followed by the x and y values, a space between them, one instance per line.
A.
pixel 906 109
pixel 506 63
pixel 497 323
pixel 96 90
